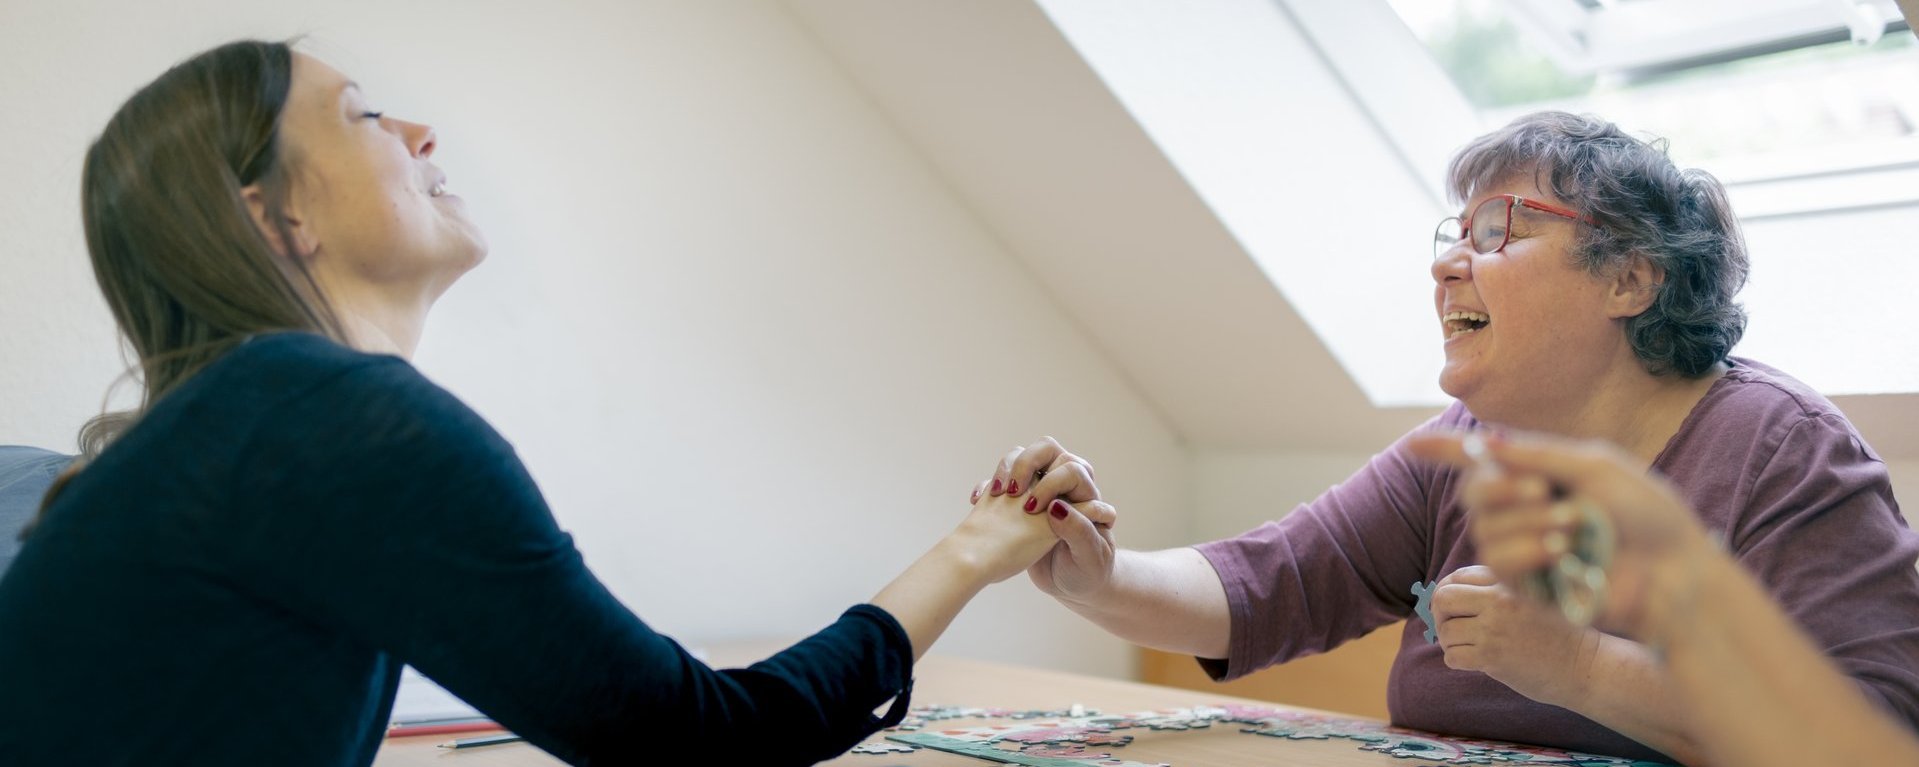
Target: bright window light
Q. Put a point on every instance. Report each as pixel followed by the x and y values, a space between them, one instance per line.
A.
pixel 1759 91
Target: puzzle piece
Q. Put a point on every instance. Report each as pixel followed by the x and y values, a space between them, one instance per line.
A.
pixel 1385 739
pixel 883 747
pixel 1424 609
pixel 991 752
pixel 1064 741
pixel 936 713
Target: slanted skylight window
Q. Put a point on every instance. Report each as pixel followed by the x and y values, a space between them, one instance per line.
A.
pixel 1764 92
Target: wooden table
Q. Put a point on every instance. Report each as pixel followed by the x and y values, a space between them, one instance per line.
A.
pixel 972 683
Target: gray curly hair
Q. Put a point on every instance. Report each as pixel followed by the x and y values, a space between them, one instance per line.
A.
pixel 1680 219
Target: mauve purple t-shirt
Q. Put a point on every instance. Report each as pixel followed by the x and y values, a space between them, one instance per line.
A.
pixel 1802 501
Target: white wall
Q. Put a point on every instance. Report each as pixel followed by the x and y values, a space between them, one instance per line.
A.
pixel 753 348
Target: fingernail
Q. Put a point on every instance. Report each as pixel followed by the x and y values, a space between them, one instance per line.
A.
pixel 976 496
pixel 1058 509
pixel 996 487
pixel 1012 488
pixel 1032 503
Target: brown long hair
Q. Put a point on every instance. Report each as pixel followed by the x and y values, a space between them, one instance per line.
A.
pixel 182 264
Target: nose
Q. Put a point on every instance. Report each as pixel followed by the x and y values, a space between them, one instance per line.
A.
pixel 1454 265
pixel 420 140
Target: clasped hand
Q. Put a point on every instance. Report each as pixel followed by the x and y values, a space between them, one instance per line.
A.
pixel 1043 481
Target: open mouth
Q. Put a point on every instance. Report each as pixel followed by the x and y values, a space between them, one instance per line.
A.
pixel 1464 323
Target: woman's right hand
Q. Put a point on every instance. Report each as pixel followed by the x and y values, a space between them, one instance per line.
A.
pixel 1049 479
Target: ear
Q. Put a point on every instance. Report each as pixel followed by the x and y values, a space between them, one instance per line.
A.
pixel 278 228
pixel 1634 287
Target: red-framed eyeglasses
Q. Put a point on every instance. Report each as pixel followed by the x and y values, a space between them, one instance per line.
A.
pixel 1490 225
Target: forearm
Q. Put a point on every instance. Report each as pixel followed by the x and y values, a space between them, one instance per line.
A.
pixel 1169 600
pixel 1759 692
pixel 1628 690
pixel 931 592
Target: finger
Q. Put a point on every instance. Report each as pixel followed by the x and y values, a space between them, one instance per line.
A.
pixel 1071 481
pixel 1492 492
pixel 1571 464
pixel 1004 471
pixel 1079 534
pixel 1515 559
pixel 980 489
pixel 1035 457
pixel 1442 446
pixel 1065 457
pixel 1471 575
pixel 1530 523
pixel 1102 513
pixel 1459 600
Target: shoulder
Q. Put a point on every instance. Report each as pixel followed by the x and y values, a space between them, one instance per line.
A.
pixel 1411 480
pixel 1756 386
pixel 372 431
pixel 378 398
pixel 1762 447
pixel 296 351
pixel 299 397
pixel 264 372
pixel 1761 405
pixel 1455 418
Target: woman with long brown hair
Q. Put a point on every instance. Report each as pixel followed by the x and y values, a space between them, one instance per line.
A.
pixel 240 568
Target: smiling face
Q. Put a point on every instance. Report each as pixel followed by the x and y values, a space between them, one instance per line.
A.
pixel 369 207
pixel 1526 328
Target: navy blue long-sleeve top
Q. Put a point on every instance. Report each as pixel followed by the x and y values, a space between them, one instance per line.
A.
pixel 239 579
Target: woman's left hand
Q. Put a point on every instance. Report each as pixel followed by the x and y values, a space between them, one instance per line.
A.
pixel 1524 643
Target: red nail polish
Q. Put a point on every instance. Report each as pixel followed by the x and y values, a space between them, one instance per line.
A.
pixel 1032 503
pixel 996 487
pixel 1012 488
pixel 1059 509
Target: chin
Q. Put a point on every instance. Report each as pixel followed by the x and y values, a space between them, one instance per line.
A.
pixel 1453 382
pixel 1470 393
pixel 472 255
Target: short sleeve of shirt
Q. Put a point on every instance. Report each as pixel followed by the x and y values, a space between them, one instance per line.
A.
pixel 1334 568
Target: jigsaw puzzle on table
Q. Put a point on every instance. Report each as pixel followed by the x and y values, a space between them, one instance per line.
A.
pixel 1077 737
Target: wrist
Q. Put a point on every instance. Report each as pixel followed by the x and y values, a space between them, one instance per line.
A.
pixel 960 562
pixel 1093 595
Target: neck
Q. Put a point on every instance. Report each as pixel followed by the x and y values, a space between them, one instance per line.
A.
pixel 381 324
pixel 1629 407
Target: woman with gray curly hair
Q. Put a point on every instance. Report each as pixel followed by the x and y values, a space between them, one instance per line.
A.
pixel 1585 290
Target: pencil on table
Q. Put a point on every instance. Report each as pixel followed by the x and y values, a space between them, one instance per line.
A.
pixel 484 740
